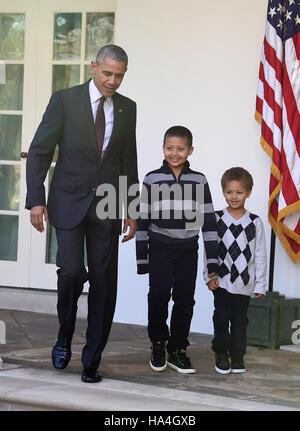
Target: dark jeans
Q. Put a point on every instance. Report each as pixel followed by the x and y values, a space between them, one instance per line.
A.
pixel 230 309
pixel 102 255
pixel 172 271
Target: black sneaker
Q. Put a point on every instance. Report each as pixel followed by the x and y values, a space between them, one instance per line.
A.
pixel 180 362
pixel 158 360
pixel 237 365
pixel 222 364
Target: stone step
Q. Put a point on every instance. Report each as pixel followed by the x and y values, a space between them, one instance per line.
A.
pixel 28 388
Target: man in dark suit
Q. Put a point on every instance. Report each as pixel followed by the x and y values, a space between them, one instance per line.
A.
pixel 94 129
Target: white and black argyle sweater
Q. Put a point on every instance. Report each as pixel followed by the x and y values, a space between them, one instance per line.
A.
pixel 241 255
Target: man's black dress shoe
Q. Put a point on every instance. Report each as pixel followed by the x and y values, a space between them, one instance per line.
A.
pixel 91 375
pixel 61 355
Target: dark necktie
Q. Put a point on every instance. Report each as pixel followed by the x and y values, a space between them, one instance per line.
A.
pixel 100 124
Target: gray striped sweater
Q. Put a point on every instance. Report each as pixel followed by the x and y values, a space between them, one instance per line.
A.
pixel 173 211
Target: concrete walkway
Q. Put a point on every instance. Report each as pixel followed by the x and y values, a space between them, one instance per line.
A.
pixel 29 382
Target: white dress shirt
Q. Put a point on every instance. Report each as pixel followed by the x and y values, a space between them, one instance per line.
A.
pixel 108 108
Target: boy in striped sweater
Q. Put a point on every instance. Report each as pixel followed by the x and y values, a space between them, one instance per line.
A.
pixel 175 203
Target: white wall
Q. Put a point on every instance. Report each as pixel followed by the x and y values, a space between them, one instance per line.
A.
pixel 195 63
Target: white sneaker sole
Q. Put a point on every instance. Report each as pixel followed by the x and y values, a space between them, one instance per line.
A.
pixel 158 368
pixel 182 370
pixel 218 370
pixel 238 370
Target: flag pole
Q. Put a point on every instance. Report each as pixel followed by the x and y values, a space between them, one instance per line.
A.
pixel 272 259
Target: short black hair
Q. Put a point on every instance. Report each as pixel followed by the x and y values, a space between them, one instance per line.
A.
pixel 180 132
pixel 113 51
pixel 237 174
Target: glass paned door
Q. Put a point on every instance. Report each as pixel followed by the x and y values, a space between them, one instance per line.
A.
pixel 75 34
pixel 44 46
pixel 17 25
pixel 77 37
pixel 12 36
pixel 12 32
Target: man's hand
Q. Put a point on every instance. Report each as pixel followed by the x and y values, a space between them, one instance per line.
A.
pixel 36 217
pixel 258 295
pixel 132 225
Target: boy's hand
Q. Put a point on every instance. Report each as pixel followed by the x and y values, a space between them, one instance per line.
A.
pixel 258 295
pixel 213 284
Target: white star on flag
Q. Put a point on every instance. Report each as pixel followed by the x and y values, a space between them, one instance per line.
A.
pixel 272 11
pixel 281 8
pixel 288 15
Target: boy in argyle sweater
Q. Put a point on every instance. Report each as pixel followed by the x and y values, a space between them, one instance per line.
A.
pixel 241 273
pixel 167 247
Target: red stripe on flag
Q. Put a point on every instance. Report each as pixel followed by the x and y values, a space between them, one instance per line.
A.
pixel 293 116
pixel 267 134
pixel 269 96
pixel 297 229
pixel 289 190
pixel 294 246
pixel 261 72
pixel 273 183
pixel 274 210
pixel 296 40
pixel 273 60
pixel 259 104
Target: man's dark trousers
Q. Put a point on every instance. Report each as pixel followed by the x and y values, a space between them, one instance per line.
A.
pixel 172 270
pixel 102 253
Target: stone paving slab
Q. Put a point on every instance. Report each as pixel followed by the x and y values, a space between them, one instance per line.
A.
pixel 264 382
pixel 272 379
pixel 62 391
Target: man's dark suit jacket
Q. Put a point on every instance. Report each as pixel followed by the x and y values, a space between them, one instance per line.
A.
pixel 68 122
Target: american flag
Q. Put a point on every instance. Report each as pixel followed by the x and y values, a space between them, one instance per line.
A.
pixel 278 111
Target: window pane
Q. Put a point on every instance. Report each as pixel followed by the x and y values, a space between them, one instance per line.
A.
pixel 11 88
pixel 99 32
pixel 55 155
pixel 51 247
pixel 12 33
pixel 87 72
pixel 10 187
pixel 67 36
pixel 65 77
pixel 9 237
pixel 10 137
